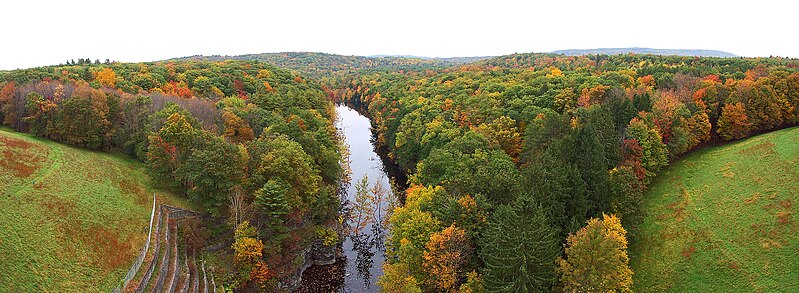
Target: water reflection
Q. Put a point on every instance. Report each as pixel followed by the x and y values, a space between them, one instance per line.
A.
pixel 366 204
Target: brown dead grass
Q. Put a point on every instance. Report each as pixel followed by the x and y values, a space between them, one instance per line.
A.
pixel 20 157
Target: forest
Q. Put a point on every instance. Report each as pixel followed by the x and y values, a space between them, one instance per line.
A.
pixel 527 172
pixel 243 140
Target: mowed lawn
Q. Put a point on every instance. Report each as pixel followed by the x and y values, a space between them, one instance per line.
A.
pixel 723 219
pixel 71 220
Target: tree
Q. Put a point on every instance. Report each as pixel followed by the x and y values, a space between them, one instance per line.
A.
pixel 41 114
pixel 546 129
pixel 520 248
pixel 212 171
pixel 78 124
pixel 106 77
pixel 653 152
pixel 397 278
pixel 278 157
pixel 596 258
pixel 247 248
pixel 236 129
pixel 627 198
pixel 6 96
pixel 362 210
pixel 565 101
pixel 445 256
pixel 168 150
pixel 503 133
pixel 560 190
pixel 411 230
pixel 733 123
pixel 488 172
pixel 271 204
pixel 583 149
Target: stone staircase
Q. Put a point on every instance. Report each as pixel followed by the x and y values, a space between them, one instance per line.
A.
pixel 165 266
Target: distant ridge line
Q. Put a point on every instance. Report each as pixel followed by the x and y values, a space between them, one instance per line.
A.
pixel 639 50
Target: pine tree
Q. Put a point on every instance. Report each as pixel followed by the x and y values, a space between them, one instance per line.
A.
pixel 519 248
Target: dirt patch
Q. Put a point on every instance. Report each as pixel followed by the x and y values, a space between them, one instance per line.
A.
pixel 727 170
pixel 786 203
pixel 764 148
pixel 784 218
pixel 111 251
pixel 753 199
pixel 58 208
pixel 20 157
pixel 15 143
pixel 135 189
pixel 686 253
pixel 108 252
pixel 21 165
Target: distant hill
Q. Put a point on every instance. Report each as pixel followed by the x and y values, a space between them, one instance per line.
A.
pixel 636 50
pixel 319 65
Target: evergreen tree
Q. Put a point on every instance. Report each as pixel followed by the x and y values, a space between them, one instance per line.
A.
pixel 520 248
pixel 561 191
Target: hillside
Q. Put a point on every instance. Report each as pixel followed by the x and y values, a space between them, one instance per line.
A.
pixel 318 65
pixel 70 219
pixel 721 219
pixel 637 50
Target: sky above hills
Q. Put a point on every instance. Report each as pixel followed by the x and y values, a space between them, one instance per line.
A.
pixel 38 33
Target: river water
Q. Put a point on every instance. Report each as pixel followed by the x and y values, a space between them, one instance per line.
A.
pixel 364 252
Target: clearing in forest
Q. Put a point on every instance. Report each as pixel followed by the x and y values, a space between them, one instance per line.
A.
pixel 71 220
pixel 723 219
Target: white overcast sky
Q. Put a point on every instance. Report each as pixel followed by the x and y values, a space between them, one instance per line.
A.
pixel 37 33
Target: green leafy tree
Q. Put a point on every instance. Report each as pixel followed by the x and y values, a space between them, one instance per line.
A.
pixel 212 171
pixel 653 152
pixel 627 198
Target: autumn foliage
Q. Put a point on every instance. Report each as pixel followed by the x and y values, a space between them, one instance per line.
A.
pixel 596 258
pixel 445 256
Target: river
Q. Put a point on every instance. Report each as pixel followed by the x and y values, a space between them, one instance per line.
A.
pixel 364 252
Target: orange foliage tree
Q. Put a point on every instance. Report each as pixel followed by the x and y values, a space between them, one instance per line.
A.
pixel 445 255
pixel 236 129
pixel 733 123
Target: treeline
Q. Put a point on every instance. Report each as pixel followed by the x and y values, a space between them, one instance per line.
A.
pixel 244 140
pixel 325 66
pixel 516 157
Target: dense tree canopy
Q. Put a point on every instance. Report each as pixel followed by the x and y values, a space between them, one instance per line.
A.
pixel 500 152
pixel 239 138
pixel 582 135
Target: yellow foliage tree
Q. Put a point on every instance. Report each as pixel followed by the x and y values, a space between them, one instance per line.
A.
pixel 248 249
pixel 397 278
pixel 596 258
pixel 106 77
pixel 503 132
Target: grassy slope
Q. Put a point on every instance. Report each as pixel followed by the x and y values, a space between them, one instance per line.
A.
pixel 724 219
pixel 79 227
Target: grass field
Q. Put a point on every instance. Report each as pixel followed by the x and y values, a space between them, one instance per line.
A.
pixel 723 219
pixel 71 220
